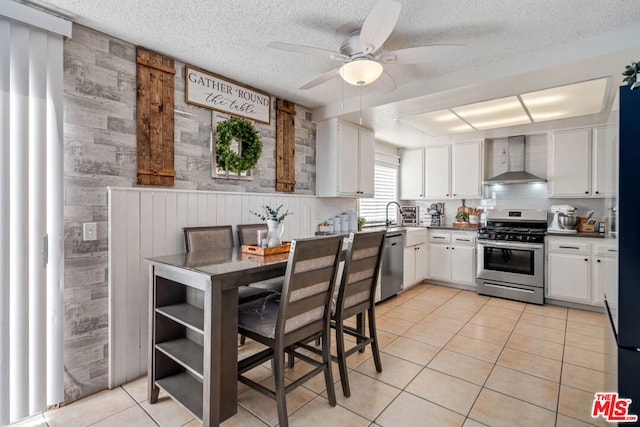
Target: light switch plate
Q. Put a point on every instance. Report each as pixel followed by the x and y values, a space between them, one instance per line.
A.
pixel 89 231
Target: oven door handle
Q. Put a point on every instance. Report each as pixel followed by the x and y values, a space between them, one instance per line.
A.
pixel 511 245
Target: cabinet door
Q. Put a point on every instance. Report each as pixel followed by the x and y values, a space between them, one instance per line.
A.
pixel 605 271
pixel 348 159
pixel 409 274
pixel 439 261
pixel 437 171
pixel 412 174
pixel 463 262
pixel 421 262
pixel 570 164
pixel 366 163
pixel 466 173
pixel 605 161
pixel 569 277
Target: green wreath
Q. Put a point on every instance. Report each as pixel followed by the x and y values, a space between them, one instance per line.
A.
pixel 240 129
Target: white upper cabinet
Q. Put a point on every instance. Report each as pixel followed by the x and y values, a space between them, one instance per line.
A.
pixel 442 172
pixel 412 174
pixel 466 174
pixel 437 172
pixel 345 160
pixel 583 163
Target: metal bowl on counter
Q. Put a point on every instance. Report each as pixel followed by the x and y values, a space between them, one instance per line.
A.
pixel 568 222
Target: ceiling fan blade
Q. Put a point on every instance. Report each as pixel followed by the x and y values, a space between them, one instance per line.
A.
pixel 321 79
pixel 379 25
pixel 420 54
pixel 386 82
pixel 307 50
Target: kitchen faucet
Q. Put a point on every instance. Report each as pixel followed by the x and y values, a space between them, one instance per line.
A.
pixel 387 222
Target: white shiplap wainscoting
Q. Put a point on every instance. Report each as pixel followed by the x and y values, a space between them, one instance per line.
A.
pixel 145 223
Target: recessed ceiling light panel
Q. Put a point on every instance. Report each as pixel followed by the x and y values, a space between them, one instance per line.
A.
pixel 435 123
pixel 561 102
pixel 493 114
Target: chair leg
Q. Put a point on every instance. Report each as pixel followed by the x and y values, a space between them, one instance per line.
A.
pixel 281 396
pixel 326 359
pixel 243 339
pixel 374 340
pixel 360 328
pixel 342 358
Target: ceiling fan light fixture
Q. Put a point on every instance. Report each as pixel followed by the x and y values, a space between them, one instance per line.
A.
pixel 361 72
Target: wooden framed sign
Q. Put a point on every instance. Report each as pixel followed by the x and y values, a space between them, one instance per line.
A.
pixel 217 93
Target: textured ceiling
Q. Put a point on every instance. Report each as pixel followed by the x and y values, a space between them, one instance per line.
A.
pixel 503 39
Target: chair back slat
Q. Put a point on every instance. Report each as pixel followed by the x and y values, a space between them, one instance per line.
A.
pixel 360 274
pixel 248 233
pixel 198 239
pixel 309 283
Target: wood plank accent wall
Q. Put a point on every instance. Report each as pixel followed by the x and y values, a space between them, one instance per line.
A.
pixel 145 223
pixel 285 146
pixel 154 118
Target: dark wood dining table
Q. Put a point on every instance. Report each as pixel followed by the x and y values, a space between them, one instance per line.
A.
pixel 193 347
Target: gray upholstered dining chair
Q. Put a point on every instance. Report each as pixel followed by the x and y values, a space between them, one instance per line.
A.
pixel 302 312
pixel 208 238
pixel 354 296
pixel 248 235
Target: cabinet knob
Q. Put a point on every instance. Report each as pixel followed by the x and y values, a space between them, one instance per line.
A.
pixel 447 247
pixel 597 192
pixel 586 259
pixel 598 261
pixel 447 195
pixel 452 248
pixel 586 192
pixel 454 194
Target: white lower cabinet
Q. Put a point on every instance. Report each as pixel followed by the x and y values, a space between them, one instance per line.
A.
pixel 569 277
pixel 578 267
pixel 452 256
pixel 415 257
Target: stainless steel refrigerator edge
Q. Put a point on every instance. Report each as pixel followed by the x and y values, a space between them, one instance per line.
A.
pixel 622 299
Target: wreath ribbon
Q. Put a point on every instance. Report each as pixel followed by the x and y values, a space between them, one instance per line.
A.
pixel 240 129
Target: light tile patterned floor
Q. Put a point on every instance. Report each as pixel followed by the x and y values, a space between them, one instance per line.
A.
pixel 450 358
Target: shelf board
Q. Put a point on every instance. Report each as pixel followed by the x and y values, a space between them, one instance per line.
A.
pixel 186 353
pixel 185 314
pixel 184 389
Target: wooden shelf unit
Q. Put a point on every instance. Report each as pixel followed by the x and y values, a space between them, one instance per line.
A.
pixel 178 337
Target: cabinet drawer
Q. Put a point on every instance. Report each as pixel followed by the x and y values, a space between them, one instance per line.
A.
pixel 569 247
pixel 606 250
pixel 464 239
pixel 439 237
pixel 415 236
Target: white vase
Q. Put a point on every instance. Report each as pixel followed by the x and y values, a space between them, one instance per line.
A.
pixel 274 236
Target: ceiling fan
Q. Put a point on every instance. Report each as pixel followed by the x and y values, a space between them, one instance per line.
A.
pixel 361 52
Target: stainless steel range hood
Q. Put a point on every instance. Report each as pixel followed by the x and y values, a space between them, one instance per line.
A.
pixel 515 165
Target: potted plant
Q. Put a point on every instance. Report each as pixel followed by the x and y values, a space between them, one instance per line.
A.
pixel 361 222
pixel 274 219
pixel 631 73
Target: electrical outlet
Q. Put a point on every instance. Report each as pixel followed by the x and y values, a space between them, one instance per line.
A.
pixel 89 231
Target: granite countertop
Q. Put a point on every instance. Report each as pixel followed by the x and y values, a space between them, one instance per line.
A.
pixel 582 234
pixel 365 229
pixel 451 227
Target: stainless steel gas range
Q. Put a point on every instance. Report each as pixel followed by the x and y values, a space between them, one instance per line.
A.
pixel 511 255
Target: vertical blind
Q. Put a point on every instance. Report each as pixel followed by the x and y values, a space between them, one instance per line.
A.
pixel 31 212
pixel 386 190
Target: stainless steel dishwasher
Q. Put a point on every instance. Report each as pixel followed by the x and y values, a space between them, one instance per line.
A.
pixel 392 265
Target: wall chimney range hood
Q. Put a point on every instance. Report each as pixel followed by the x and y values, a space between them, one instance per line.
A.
pixel 515 165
